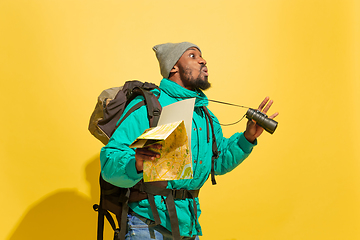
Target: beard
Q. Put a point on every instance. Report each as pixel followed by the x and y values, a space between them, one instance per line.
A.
pixel 201 83
pixel 191 82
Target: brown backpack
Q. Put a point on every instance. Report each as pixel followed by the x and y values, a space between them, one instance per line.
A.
pixel 103 123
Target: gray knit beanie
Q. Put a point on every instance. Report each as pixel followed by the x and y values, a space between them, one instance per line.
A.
pixel 169 53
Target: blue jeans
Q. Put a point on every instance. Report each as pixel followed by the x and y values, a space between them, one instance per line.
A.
pixel 139 229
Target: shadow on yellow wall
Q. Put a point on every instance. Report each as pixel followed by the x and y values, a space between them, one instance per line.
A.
pixel 64 214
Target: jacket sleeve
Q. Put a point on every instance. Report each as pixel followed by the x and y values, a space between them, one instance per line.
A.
pixel 233 150
pixel 116 158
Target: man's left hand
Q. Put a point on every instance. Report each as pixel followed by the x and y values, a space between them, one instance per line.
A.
pixel 253 130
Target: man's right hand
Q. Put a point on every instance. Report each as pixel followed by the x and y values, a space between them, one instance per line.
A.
pixel 145 154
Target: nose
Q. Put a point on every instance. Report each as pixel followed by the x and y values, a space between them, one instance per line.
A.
pixel 202 61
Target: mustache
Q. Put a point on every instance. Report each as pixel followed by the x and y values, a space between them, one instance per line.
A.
pixel 202 66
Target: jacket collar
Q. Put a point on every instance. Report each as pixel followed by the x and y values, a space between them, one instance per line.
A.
pixel 180 93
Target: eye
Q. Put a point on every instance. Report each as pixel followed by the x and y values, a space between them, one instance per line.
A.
pixel 192 55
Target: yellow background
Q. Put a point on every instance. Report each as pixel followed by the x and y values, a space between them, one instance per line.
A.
pixel 302 182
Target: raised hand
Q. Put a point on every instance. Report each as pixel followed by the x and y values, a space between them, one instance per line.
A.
pixel 253 130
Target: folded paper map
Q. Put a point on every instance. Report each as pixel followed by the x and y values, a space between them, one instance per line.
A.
pixel 175 162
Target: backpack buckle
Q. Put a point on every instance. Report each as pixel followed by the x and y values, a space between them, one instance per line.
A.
pixel 156 112
pixel 179 193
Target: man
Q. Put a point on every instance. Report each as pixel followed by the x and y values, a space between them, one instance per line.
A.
pixel 185 76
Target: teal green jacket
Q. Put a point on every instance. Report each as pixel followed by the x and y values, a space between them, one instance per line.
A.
pixel 118 160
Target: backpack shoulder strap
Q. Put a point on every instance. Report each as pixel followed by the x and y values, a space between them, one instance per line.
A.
pixel 150 100
pixel 215 151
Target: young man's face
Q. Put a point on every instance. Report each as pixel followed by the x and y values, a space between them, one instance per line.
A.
pixel 193 71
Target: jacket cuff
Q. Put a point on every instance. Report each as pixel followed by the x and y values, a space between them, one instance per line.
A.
pixel 131 170
pixel 245 145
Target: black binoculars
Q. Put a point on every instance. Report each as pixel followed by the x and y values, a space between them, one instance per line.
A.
pixel 262 120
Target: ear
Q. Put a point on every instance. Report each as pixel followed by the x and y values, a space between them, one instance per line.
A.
pixel 175 69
